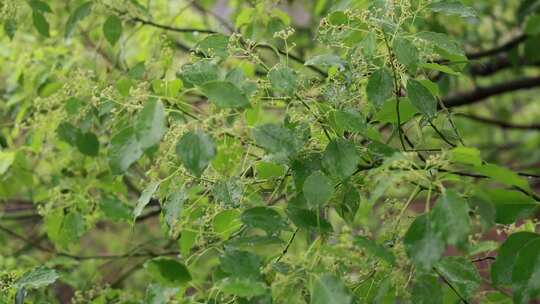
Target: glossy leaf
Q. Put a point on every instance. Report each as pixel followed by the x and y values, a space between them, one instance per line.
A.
pixel 280 142
pixel 525 273
pixel 263 218
pixel 421 98
pixel 453 7
pixel 214 45
pixel 380 87
pixel 372 248
pixel 283 79
pixel 406 51
pixel 424 245
pixel 340 158
pixel 168 272
pixel 329 289
pixel 200 72
pixel 461 273
pixel 427 290
pixel 501 269
pixel 196 150
pixel 79 14
pixel 150 124
pixel 174 206
pixel 124 150
pixel 40 23
pixel 144 199
pixel 241 264
pixel 317 189
pixel 224 94
pixel 451 218
pixel 112 29
pixel 37 278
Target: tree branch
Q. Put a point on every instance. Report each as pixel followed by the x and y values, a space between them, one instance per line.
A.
pixel 500 123
pixel 499 49
pixel 172 28
pixel 481 93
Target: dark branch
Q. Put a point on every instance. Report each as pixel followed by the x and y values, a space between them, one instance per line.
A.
pixel 172 28
pixel 499 49
pixel 500 123
pixel 481 93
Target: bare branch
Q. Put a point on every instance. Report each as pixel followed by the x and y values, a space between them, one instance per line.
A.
pixel 482 93
pixel 500 123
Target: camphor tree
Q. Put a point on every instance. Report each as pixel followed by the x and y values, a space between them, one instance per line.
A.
pixel 265 151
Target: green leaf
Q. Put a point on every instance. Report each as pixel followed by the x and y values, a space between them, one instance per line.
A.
pixel 380 87
pixel 421 98
pixel 124 150
pixel 509 205
pixel 174 206
pixel 526 273
pixel 466 155
pixel 150 124
pixel 167 88
pixel 168 272
pixel 350 120
pixel 228 192
pixel 453 7
pixel 40 23
pixel 79 14
pixel 196 150
pixel 264 218
pixel 329 289
pixel 375 249
pixel 423 244
pixel 144 199
pixel 280 142
pixel 340 158
pixel 37 278
pixel 6 160
pixel 269 170
pixel 40 6
pixel 444 45
pixel 239 263
pixel 224 94
pixel 503 176
pixel 200 72
pixel 112 29
pixel 461 273
pixel 406 51
pixel 157 294
pixel 304 218
pixel 64 229
pixel 124 85
pixel 308 220
pixel 388 112
pixel 451 218
pixel 427 290
pixel 10 27
pixel 501 269
pixel 283 79
pixel 439 68
pixel 87 143
pixel 326 60
pixel 226 222
pixel 115 209
pixel 532 26
pixel 214 45
pixel 317 189
pixel 243 287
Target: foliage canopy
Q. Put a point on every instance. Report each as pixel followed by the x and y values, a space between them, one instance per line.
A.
pixel 266 151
